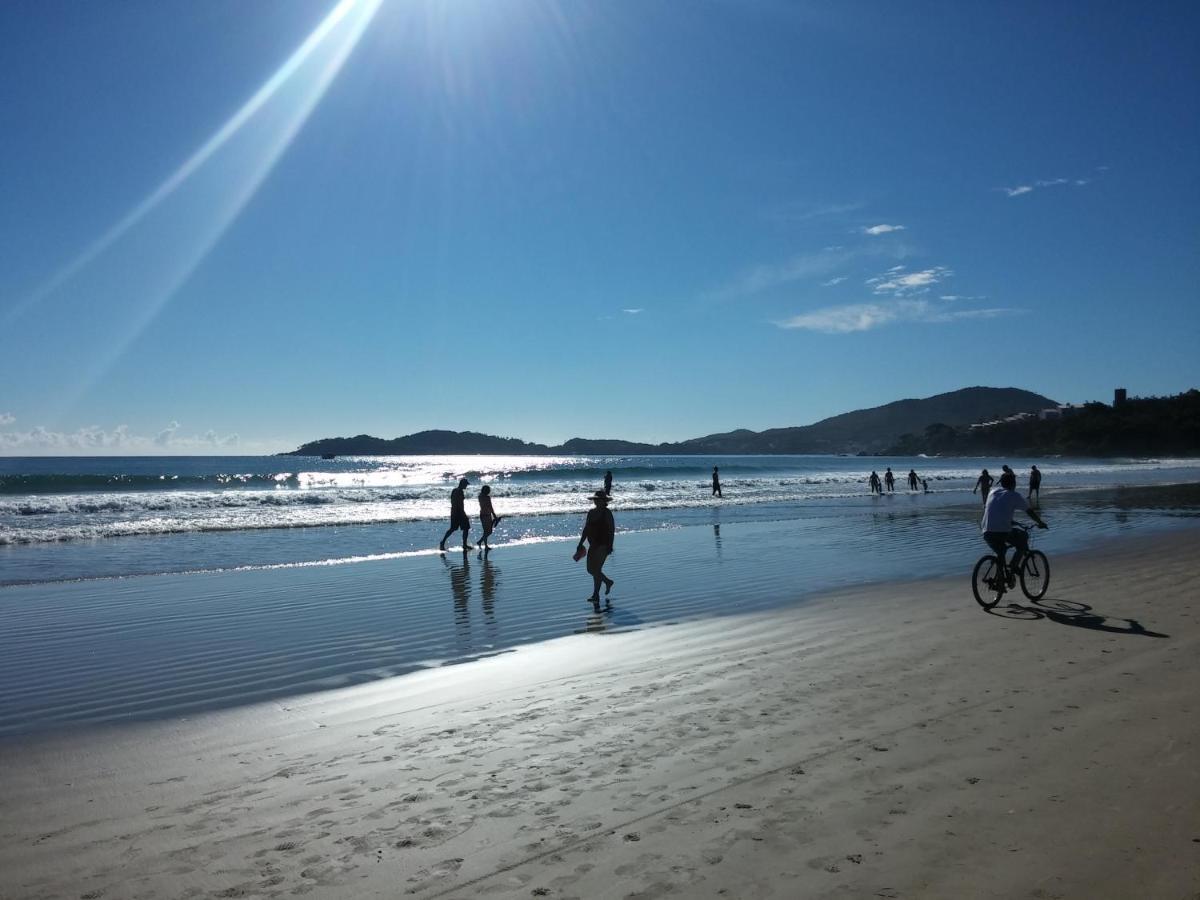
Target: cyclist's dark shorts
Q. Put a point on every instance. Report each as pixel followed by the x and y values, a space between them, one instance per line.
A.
pixel 1000 540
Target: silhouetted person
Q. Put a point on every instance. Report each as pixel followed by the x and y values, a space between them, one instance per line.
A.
pixel 997 526
pixel 924 486
pixel 487 515
pixel 1035 484
pixel 889 479
pixel 458 515
pixel 912 479
pixel 608 482
pixel 876 487
pixel 983 484
pixel 599 529
pixel 716 484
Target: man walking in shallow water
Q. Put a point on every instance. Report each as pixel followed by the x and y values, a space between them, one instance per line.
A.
pixel 458 515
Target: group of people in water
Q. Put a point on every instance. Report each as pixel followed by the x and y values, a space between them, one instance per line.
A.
pixel 889 481
pixel 983 484
pixel 599 529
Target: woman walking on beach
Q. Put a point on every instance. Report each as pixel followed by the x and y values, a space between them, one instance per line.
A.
pixel 985 482
pixel 599 529
pixel 487 515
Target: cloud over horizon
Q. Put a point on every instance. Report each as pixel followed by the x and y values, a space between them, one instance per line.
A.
pixel 882 229
pixel 93 438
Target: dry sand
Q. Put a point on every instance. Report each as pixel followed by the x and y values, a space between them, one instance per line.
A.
pixel 888 741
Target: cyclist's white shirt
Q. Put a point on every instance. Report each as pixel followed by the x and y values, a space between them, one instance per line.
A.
pixel 998 513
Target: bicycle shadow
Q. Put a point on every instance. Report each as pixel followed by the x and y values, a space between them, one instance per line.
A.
pixel 1074 614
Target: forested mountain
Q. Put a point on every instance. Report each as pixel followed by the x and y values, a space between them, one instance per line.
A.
pixel 865 430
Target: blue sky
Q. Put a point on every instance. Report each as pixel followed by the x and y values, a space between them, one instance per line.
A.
pixel 233 227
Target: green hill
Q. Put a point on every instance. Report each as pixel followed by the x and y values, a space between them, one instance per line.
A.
pixel 865 430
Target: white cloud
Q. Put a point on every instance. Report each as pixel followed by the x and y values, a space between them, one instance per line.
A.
pixel 803 266
pixel 833 281
pixel 633 312
pixel 899 283
pixel 882 229
pixel 164 437
pixel 94 439
pixel 866 316
pixel 7 418
pixel 1048 183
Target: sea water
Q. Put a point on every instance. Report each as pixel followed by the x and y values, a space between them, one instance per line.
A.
pixel 156 587
pixel 77 518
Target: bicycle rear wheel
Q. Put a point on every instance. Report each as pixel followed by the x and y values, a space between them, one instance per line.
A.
pixel 1035 575
pixel 986 582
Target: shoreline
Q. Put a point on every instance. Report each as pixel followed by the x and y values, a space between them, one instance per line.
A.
pixel 942 752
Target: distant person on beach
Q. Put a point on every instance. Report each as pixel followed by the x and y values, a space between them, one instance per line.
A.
pixel 608 482
pixel 458 515
pixel 599 530
pixel 924 486
pixel 983 484
pixel 912 479
pixel 716 484
pixel 997 522
pixel 876 488
pixel 487 515
pixel 1035 485
pixel 889 479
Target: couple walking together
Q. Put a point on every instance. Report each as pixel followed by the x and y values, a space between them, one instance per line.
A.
pixel 460 520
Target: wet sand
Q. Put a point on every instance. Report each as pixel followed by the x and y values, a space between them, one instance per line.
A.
pixel 883 741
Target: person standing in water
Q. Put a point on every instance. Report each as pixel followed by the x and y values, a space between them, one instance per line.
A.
pixel 1035 485
pixel 458 515
pixel 889 479
pixel 716 484
pixel 599 530
pixel 873 481
pixel 608 482
pixel 487 515
pixel 983 484
pixel 912 479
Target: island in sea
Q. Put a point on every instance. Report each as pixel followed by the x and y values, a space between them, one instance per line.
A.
pixel 969 422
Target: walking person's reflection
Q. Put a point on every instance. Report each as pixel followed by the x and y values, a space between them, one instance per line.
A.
pixel 487 588
pixel 460 588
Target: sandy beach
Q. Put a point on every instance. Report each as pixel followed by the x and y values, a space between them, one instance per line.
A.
pixel 885 741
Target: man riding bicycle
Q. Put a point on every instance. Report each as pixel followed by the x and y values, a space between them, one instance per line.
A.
pixel 997 524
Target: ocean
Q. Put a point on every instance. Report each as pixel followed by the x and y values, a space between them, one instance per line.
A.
pixel 65 518
pixel 141 588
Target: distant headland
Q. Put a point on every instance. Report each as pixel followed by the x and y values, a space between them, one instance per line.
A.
pixel 971 421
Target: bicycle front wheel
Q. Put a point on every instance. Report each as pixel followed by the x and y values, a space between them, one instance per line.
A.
pixel 986 582
pixel 1035 575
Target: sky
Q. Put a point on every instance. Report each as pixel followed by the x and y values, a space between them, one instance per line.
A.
pixel 234 227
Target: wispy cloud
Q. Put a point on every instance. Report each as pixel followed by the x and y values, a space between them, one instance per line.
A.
pixel 833 281
pixel 882 229
pixel 7 418
pixel 1039 183
pixel 867 316
pixel 899 283
pixel 801 267
pixel 804 212
pixel 93 438
pixel 633 312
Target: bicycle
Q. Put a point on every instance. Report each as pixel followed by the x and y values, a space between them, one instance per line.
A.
pixel 993 576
